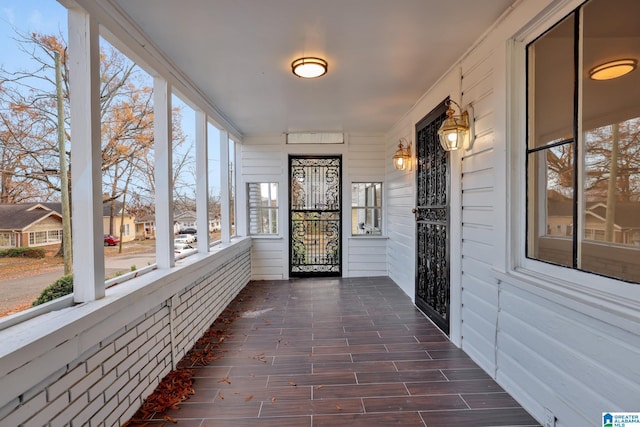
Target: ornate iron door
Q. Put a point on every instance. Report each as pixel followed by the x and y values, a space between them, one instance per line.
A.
pixel 432 220
pixel 315 226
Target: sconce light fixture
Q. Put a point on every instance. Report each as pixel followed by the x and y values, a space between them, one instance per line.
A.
pixel 456 130
pixel 309 67
pixel 402 157
pixel 613 69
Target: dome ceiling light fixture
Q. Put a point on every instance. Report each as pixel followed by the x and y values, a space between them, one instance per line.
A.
pixel 309 67
pixel 613 69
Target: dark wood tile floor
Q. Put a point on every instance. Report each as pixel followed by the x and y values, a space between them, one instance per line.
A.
pixel 339 352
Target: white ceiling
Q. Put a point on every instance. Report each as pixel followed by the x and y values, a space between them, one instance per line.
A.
pixel 383 55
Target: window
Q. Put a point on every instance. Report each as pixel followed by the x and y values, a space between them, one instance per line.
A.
pixel 7 240
pixel 583 144
pixel 37 238
pixel 366 208
pixel 263 207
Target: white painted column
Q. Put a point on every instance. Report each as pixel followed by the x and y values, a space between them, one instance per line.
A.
pixel 225 210
pixel 165 257
pixel 202 183
pixel 86 176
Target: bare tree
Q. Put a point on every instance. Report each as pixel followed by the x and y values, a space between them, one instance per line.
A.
pixel 29 156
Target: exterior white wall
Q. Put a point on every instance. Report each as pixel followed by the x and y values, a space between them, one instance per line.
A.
pixel 265 159
pixel 565 344
pixel 95 363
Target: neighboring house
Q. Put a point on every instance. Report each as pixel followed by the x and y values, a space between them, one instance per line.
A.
pixel 30 224
pixel 145 227
pixel 184 220
pixel 626 222
pixel 214 224
pixel 128 221
pixel 188 219
pixel 40 224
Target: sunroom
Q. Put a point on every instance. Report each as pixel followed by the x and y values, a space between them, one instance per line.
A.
pixel 453 154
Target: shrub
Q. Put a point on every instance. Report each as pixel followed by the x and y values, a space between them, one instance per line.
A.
pixel 23 253
pixel 61 287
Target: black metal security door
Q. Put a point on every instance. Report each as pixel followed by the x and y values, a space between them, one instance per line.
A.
pixel 315 211
pixel 432 220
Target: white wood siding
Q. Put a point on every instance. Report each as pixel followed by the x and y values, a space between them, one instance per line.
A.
pixel 477 198
pixel 365 255
pixel 265 159
pixel 563 343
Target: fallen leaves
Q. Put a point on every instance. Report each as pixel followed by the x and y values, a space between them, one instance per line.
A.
pixel 260 357
pixel 177 386
pixel 174 388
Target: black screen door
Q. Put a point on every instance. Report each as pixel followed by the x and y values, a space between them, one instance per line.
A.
pixel 315 212
pixel 432 220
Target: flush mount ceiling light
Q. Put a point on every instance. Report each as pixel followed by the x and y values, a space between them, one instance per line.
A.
pixel 613 69
pixel 309 67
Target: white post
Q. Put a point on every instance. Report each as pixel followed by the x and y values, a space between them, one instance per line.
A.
pixel 86 177
pixel 165 257
pixel 202 185
pixel 225 196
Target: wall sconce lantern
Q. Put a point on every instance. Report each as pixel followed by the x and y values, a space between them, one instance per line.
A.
pixel 456 130
pixel 402 157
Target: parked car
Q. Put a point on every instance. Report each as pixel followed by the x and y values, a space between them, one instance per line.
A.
pixel 110 240
pixel 188 230
pixel 180 241
pixel 188 238
pixel 180 248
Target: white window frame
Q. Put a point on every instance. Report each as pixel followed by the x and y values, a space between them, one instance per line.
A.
pixel 366 207
pixel 9 237
pixel 606 298
pixel 50 237
pixel 274 211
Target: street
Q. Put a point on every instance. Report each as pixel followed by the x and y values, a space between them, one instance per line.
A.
pixel 18 294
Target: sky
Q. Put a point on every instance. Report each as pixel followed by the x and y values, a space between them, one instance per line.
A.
pixel 42 16
pixel 50 17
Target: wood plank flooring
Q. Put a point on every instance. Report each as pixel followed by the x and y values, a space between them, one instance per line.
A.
pixel 339 352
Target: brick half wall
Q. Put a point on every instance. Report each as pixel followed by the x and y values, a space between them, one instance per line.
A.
pixel 93 364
